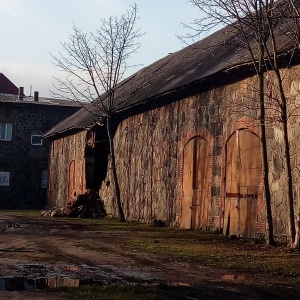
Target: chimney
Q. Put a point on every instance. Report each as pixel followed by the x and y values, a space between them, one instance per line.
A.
pixel 21 93
pixel 36 96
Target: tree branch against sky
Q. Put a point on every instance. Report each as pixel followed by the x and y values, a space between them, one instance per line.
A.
pixel 93 65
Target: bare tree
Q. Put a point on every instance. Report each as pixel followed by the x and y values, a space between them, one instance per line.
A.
pixel 257 24
pixel 94 64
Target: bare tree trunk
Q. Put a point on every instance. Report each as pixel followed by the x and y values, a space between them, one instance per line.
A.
pixel 287 155
pixel 114 169
pixel 270 236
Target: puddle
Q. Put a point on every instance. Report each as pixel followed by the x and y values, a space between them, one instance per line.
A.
pixel 185 284
pixel 71 268
pixel 10 225
pixel 231 277
pixel 29 284
pixel 38 276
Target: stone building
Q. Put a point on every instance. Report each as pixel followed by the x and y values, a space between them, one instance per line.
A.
pixel 23 151
pixel 187 143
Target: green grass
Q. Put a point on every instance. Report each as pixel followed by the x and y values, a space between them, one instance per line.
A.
pixel 111 224
pixel 22 213
pixel 120 292
pixel 218 251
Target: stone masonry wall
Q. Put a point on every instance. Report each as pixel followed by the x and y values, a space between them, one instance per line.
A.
pixel 24 161
pixel 149 149
pixel 64 152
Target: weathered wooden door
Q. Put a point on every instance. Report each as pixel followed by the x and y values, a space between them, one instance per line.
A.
pixel 242 175
pixel 195 184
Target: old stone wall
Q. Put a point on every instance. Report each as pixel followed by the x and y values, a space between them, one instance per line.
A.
pixel 150 146
pixel 149 150
pixel 277 176
pixel 67 168
pixel 27 164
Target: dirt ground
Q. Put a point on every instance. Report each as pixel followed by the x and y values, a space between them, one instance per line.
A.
pixel 58 252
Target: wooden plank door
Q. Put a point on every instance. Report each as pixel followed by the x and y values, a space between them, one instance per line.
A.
pixel 242 173
pixel 248 183
pixel 187 185
pixel 201 183
pixel 231 201
pixel 195 184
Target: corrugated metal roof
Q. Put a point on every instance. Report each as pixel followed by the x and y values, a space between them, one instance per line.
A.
pixel 189 66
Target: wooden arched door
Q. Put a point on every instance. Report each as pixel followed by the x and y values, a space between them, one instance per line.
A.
pixel 242 179
pixel 195 184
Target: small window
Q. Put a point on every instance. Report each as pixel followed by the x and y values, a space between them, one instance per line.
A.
pixel 5 132
pixel 36 138
pixel 4 178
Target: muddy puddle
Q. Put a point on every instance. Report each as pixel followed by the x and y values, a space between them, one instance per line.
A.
pixel 231 277
pixel 29 284
pixel 39 276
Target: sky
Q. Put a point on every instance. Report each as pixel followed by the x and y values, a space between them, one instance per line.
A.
pixel 31 30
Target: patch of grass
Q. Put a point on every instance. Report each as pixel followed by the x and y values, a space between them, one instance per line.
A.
pixel 110 224
pixel 22 213
pixel 179 291
pixel 119 292
pixel 218 251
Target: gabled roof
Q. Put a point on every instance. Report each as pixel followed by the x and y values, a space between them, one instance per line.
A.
pixel 188 67
pixel 6 86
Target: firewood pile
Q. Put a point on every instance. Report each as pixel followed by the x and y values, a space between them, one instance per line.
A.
pixel 88 206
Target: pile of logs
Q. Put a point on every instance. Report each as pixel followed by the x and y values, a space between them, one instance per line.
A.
pixel 87 205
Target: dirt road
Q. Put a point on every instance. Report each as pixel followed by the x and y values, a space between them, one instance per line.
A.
pixel 40 252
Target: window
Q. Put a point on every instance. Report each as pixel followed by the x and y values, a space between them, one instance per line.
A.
pixel 5 132
pixel 4 178
pixel 36 138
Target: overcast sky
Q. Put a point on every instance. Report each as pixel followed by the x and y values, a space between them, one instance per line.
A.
pixel 32 29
